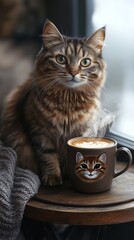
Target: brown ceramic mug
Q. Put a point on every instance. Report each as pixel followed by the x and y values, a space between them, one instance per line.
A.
pixel 91 163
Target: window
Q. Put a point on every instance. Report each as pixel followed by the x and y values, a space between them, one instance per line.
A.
pixel 118 94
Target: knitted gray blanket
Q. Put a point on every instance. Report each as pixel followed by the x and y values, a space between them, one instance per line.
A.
pixel 17 186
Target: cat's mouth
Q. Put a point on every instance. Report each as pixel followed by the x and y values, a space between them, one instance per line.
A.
pixel 90 175
pixel 74 82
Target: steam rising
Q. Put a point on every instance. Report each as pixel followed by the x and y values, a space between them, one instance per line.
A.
pixel 102 125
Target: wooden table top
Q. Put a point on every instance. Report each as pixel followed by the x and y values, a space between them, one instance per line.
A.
pixel 91 209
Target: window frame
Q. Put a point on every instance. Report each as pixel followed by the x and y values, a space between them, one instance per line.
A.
pixel 122 141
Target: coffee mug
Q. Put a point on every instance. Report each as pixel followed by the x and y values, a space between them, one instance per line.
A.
pixel 91 163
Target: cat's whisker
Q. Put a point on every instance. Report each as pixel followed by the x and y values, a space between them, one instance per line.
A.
pixel 29 88
pixel 43 91
pixel 34 84
pixel 92 86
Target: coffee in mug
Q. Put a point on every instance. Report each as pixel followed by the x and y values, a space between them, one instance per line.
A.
pixel 91 163
pixel 92 143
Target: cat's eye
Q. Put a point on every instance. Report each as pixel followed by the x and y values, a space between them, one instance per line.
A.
pixel 61 59
pixel 85 62
pixel 83 165
pixel 97 166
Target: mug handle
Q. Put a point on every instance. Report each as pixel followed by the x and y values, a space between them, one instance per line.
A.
pixel 128 163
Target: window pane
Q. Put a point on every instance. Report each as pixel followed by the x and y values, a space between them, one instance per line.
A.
pixel 118 94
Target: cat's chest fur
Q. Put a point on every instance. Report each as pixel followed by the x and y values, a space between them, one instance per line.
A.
pixel 65 116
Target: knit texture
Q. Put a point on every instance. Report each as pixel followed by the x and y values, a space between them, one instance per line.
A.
pixel 17 186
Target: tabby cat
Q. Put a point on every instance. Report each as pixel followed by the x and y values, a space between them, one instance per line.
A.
pixel 60 100
pixel 90 168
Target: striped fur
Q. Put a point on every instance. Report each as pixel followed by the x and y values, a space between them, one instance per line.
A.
pixel 58 101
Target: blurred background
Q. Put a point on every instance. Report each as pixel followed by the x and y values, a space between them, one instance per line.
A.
pixel 21 23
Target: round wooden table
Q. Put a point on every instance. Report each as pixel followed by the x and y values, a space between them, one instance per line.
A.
pixel 63 205
pixel 80 215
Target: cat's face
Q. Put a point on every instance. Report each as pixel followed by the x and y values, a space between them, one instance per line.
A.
pixel 90 168
pixel 71 63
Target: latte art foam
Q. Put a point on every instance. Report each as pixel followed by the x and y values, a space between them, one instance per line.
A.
pixel 94 143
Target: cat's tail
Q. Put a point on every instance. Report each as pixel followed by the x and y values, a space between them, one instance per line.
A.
pixel 14 130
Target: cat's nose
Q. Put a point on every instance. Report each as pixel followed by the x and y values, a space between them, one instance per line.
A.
pixel 73 71
pixel 74 74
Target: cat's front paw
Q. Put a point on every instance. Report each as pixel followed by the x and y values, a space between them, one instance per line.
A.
pixel 51 180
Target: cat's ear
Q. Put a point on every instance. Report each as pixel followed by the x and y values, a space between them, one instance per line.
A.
pixel 102 157
pixel 79 156
pixel 96 41
pixel 51 34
